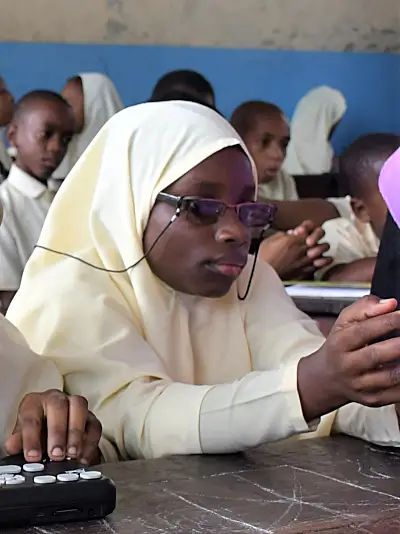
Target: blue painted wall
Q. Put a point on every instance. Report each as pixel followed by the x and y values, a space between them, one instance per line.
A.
pixel 370 82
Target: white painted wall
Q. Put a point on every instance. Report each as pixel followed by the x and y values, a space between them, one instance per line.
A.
pixel 371 25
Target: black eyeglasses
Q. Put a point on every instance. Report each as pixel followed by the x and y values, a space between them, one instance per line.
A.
pixel 209 211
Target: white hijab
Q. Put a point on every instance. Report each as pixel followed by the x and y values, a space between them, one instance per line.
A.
pixel 101 102
pixel 309 151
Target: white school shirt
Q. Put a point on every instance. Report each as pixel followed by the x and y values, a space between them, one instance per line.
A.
pixel 283 187
pixel 26 202
pixel 348 241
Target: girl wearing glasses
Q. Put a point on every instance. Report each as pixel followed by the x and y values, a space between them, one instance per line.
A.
pixel 143 293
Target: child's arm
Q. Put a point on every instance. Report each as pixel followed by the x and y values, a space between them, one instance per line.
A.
pixel 356 271
pixel 291 213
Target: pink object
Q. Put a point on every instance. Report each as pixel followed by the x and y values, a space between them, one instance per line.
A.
pixel 389 185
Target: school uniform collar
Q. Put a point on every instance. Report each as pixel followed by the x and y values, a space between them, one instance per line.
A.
pixel 25 183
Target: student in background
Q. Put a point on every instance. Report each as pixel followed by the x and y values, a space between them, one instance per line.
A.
pixel 188 82
pixel 314 121
pixel 157 319
pixel 94 100
pixel 6 113
pixel 266 133
pixel 183 97
pixel 40 131
pixel 354 240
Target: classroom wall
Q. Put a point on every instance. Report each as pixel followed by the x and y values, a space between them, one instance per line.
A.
pixel 249 49
pixel 289 24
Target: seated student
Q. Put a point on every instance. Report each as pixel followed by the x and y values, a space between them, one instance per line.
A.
pixel 315 119
pixel 41 129
pixel 6 113
pixel 149 292
pixel 188 82
pixel 266 133
pixel 94 99
pixel 354 240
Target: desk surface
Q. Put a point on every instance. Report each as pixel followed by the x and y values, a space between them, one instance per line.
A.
pixel 334 485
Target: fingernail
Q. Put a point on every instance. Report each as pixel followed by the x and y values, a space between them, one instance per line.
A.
pixel 72 451
pixel 384 301
pixel 57 451
pixel 83 461
pixel 33 454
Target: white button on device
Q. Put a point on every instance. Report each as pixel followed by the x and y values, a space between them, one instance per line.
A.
pixel 33 468
pixel 68 477
pixel 44 479
pixel 90 475
pixel 14 481
pixel 6 477
pixel 10 470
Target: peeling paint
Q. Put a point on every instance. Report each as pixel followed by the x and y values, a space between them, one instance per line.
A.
pixel 341 25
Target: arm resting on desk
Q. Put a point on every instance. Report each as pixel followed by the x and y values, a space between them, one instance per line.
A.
pixel 292 213
pixel 356 271
pixel 376 425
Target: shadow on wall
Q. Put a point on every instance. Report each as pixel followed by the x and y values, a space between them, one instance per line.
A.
pixel 370 82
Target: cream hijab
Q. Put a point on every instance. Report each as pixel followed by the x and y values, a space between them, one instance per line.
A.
pixel 101 102
pixel 120 339
pixel 309 151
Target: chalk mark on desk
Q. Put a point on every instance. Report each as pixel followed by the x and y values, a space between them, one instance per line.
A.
pixel 376 475
pixel 381 451
pixel 345 482
pixel 217 514
pixel 301 502
pixel 107 526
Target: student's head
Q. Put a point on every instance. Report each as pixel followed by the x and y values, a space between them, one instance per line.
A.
pixel 188 82
pixel 266 132
pixel 92 96
pixel 41 129
pixel 6 104
pixel 192 155
pixel 183 97
pixel 360 164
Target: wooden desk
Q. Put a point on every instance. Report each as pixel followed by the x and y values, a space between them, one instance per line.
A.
pixel 333 485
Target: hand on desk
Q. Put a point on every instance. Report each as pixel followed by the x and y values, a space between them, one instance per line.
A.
pixel 296 254
pixel 350 366
pixel 58 423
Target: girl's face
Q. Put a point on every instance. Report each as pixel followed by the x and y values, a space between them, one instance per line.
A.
pixel 200 258
pixel 267 142
pixel 73 94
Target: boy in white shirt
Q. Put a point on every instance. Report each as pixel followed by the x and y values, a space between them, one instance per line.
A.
pixel 40 131
pixel 266 132
pixel 354 238
pixel 6 113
